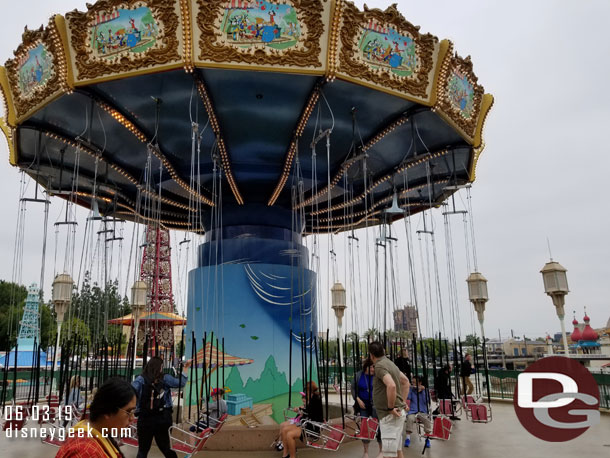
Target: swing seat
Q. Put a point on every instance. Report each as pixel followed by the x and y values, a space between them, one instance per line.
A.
pixel 479 413
pixel 53 401
pixel 441 429
pixel 322 436
pixel 446 407
pixel 55 441
pixel 468 400
pixel 214 424
pixel 132 439
pixel 366 427
pixel 189 449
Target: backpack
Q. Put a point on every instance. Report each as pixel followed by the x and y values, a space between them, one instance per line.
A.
pixel 151 401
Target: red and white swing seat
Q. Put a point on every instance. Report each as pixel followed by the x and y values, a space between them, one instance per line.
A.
pixel 188 448
pixel 365 427
pixel 449 408
pixel 476 411
pixel 198 440
pixel 322 436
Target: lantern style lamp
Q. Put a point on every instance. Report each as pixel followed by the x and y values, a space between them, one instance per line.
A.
pixel 338 299
pixel 139 295
pixel 556 286
pixel 61 296
pixel 477 293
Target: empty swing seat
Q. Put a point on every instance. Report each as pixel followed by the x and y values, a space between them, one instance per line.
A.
pixel 366 427
pixel 322 435
pixel 197 441
pixel 480 413
pixel 445 407
pixel 441 428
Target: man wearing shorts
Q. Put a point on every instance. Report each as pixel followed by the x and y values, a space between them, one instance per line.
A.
pixel 390 388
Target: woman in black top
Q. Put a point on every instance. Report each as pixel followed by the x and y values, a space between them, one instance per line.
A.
pixel 313 411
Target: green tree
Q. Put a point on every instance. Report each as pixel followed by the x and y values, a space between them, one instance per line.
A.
pixel 471 341
pixel 75 328
pixel 12 301
pixel 371 334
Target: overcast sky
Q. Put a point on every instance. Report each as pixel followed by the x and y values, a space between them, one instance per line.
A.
pixel 540 176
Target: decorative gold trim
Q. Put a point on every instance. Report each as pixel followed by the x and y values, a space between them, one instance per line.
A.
pixel 144 71
pixel 165 54
pixel 333 39
pixel 62 31
pixel 444 49
pixel 488 102
pixel 9 135
pixel 9 107
pixel 307 54
pixel 311 103
pixel 187 35
pixel 417 85
pixel 224 154
pixel 466 126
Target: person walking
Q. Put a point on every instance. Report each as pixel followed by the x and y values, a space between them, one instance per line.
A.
pixel 362 392
pixel 419 399
pixel 465 373
pixel 154 407
pixel 390 389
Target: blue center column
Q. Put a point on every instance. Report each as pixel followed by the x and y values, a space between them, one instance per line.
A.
pixel 253 287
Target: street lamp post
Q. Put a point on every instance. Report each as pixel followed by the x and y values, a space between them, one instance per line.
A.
pixel 339 306
pixel 61 295
pixel 139 294
pixel 556 285
pixel 477 293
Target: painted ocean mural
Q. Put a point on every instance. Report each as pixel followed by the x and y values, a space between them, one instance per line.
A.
pixel 254 306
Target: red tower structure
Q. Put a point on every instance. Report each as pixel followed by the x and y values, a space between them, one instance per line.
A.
pixel 156 271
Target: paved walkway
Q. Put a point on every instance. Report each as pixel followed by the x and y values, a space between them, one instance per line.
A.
pixel 502 438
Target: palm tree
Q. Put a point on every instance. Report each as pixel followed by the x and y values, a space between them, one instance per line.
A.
pixel 371 334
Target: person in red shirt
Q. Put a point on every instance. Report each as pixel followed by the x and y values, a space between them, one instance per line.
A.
pixel 111 410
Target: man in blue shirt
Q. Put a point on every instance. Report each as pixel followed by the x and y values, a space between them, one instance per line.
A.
pixel 419 400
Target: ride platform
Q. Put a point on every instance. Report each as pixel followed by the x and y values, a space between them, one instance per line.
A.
pixel 502 438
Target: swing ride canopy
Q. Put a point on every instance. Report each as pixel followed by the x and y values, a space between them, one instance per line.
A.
pixel 136 100
pixel 160 317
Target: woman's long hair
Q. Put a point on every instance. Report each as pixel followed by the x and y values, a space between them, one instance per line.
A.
pixel 153 371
